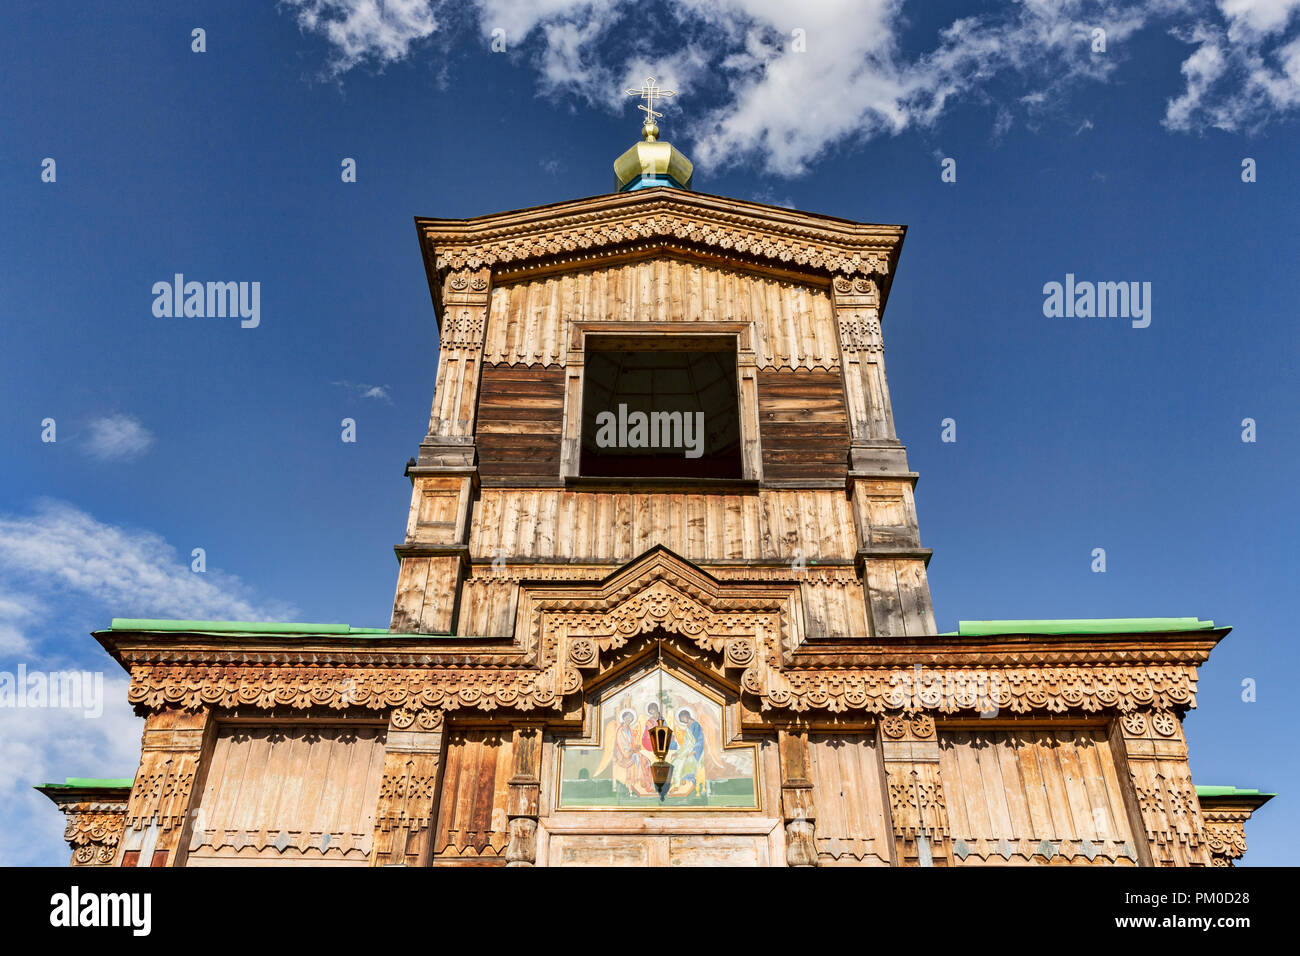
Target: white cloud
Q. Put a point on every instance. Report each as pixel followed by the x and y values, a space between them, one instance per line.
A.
pixel 16 611
pixel 46 745
pixel 1243 73
pixel 61 568
pixel 118 438
pixel 382 31
pixel 852 79
pixel 1256 17
pixel 382 393
pixel 66 552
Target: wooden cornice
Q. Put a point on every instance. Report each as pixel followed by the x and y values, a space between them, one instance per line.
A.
pixel 581 230
pixel 816 654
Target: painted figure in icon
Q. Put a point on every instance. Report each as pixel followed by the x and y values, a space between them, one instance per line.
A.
pixel 689 772
pixel 631 768
pixel 696 752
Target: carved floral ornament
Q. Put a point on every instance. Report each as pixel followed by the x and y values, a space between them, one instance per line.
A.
pixel 851 286
pixel 463 281
pixel 1226 839
pixel 881 690
pixel 94 831
pixel 722 627
pixel 567 236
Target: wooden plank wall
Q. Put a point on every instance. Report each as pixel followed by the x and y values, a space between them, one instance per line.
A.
pixel 852 827
pixel 472 822
pixel 793 328
pixel 1050 795
pixel 803 425
pixel 317 785
pixel 520 420
pixel 833 603
pixel 700 526
pixel 794 323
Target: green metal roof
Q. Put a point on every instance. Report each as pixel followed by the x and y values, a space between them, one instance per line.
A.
pixel 1230 792
pixel 256 627
pixel 1102 625
pixel 104 783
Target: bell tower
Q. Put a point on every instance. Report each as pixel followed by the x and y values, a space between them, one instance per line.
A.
pixel 661 367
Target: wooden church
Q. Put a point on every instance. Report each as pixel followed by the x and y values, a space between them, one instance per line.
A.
pixel 662 600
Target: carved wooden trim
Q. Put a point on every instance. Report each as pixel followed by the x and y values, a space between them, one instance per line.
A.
pixel 690 220
pixel 523 798
pixel 93 831
pixel 1226 840
pixel 408 789
pixel 566 631
pixel 798 809
pixel 1166 800
pixel 1021 690
pixel 918 812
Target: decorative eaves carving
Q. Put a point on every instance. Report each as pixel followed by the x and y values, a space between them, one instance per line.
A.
pixel 568 629
pixel 784 238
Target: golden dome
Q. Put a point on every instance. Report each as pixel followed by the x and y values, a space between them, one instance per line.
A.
pixel 650 162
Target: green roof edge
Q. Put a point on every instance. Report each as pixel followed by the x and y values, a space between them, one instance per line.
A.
pixel 1220 791
pixel 102 783
pixel 1102 625
pixel 255 627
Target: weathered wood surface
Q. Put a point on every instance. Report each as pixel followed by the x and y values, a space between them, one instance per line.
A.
pixel 803 426
pixel 520 421
pixel 473 822
pixel 794 324
pixel 302 793
pixel 852 811
pixel 1034 795
pixel 618 526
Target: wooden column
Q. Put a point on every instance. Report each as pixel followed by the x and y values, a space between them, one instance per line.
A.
pixel 94 818
pixel 408 789
pixel 523 796
pixel 445 477
pixel 874 447
pixel 797 807
pixel 1225 824
pixel 465 297
pixel 917 809
pixel 166 785
pixel 880 482
pixel 1163 797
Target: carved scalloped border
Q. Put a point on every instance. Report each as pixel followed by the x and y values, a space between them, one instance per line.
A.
pixel 1018 690
pixel 570 235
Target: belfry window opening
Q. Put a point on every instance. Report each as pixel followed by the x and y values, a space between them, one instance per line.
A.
pixel 662 407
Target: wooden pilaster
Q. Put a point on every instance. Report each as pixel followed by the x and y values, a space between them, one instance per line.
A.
pixel 917 808
pixel 890 555
pixel 408 790
pixel 166 786
pixel 797 807
pixel 523 796
pixel 874 446
pixel 445 477
pixel 1155 751
pixel 465 296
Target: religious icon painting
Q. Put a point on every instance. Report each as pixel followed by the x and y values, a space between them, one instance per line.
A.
pixel 615 771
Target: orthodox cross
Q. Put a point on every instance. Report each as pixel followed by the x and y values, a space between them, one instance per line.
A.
pixel 651 92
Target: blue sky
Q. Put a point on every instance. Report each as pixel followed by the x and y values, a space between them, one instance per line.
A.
pixel 1072 433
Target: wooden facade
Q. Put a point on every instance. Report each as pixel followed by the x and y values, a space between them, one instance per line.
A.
pixel 825 720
